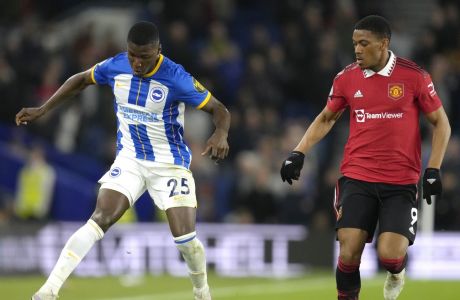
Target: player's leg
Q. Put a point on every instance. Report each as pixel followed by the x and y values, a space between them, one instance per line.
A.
pixel 352 241
pixel 398 226
pixel 173 190
pixel 392 252
pixel 121 186
pixel 182 223
pixel 109 208
pixel 356 210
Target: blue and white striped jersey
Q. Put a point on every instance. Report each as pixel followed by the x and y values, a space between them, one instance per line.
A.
pixel 150 109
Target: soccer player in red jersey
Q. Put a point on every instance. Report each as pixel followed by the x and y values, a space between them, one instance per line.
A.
pixel 382 158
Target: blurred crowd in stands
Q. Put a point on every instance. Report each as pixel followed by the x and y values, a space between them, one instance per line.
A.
pixel 271 62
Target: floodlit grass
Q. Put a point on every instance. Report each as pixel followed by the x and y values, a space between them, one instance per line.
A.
pixel 317 286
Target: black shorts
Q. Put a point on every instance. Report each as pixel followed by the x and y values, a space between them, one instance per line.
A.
pixel 361 204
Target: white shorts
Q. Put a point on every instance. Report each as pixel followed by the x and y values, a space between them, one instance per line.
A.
pixel 168 185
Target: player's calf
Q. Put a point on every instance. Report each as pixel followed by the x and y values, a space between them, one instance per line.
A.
pixel 192 251
pixel 348 281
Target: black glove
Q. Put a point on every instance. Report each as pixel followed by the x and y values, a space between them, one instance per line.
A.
pixel 432 185
pixel 290 169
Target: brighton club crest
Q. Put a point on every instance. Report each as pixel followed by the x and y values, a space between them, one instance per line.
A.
pixel 396 91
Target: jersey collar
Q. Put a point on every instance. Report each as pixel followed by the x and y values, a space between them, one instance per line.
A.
pixel 386 71
pixel 160 60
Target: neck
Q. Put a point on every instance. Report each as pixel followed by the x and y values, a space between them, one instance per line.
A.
pixel 383 62
pixel 157 61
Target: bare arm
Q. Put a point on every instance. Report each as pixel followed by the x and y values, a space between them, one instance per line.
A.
pixel 217 144
pixel 441 135
pixel 318 129
pixel 71 87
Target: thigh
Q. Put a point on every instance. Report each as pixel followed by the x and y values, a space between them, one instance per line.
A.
pixel 171 186
pixel 181 220
pixel 356 205
pixel 398 213
pixel 125 176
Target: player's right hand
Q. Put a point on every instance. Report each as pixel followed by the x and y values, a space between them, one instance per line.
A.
pixel 290 169
pixel 27 115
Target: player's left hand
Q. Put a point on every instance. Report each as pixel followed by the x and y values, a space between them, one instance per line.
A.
pixel 217 146
pixel 431 185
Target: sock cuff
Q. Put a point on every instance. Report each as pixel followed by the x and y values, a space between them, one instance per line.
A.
pixel 347 268
pixel 394 265
pixel 99 232
pixel 185 238
pixel 392 260
pixel 347 295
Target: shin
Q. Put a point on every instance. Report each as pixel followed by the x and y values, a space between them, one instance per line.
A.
pixel 192 251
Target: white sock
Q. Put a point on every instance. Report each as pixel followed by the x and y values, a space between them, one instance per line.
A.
pixel 192 251
pixel 73 252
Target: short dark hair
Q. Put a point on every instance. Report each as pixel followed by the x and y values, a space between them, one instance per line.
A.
pixel 376 24
pixel 143 33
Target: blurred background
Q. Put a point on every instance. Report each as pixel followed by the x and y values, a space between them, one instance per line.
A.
pixel 270 62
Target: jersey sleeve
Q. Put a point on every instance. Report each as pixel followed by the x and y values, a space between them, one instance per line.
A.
pixel 100 71
pixel 336 100
pixel 190 91
pixel 428 99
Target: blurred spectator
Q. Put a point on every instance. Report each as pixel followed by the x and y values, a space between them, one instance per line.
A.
pixel 448 208
pixel 35 187
pixel 6 207
pixel 271 62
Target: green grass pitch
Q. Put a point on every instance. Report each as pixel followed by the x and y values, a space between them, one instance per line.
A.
pixel 318 286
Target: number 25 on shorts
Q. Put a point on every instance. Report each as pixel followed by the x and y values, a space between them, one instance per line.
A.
pixel 175 190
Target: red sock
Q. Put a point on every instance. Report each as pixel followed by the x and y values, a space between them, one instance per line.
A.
pixel 394 265
pixel 348 281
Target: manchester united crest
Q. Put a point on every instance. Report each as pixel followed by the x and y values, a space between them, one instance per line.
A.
pixel 339 213
pixel 396 91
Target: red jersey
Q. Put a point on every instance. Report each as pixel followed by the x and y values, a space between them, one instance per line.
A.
pixel 384 144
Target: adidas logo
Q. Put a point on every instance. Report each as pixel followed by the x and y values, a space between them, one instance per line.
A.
pixel 358 94
pixel 411 229
pixel 431 180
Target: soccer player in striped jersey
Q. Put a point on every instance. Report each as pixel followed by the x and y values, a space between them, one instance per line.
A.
pixel 381 165
pixel 150 92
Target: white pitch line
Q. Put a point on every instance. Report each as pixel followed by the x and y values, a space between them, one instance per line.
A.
pixel 248 290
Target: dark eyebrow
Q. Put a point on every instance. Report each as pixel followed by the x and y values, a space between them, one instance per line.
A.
pixel 362 40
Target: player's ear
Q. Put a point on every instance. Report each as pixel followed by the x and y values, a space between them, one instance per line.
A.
pixel 159 49
pixel 385 43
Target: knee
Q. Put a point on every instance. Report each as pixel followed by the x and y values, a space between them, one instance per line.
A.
pixel 348 255
pixel 350 252
pixel 103 220
pixel 390 252
pixel 385 253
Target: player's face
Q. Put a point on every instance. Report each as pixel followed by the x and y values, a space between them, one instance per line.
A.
pixel 143 58
pixel 370 50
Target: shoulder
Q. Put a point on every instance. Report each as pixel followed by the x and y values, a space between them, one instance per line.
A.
pixel 347 71
pixel 120 59
pixel 172 68
pixel 123 56
pixel 410 66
